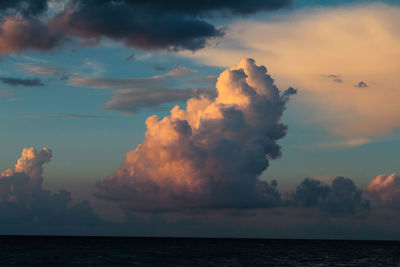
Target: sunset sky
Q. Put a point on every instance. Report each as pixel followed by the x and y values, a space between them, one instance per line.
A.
pixel 212 118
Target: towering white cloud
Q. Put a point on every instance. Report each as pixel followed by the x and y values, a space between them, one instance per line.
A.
pixel 211 154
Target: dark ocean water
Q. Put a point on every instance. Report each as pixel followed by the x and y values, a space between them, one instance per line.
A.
pixel 113 251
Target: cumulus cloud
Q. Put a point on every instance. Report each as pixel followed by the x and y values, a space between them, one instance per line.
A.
pixel 21 82
pixel 24 201
pixel 209 155
pixel 386 188
pixel 340 199
pixel 304 44
pixel 171 25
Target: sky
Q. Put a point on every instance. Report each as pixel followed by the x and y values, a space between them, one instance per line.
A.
pixel 266 119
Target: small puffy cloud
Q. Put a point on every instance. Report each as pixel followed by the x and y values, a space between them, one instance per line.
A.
pixel 210 155
pixel 386 188
pixel 23 201
pixel 340 199
pixel 21 82
pixel 335 78
pixel 361 84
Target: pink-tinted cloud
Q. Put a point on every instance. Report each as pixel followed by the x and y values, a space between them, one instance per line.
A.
pixel 18 34
pixel 209 155
pixel 386 188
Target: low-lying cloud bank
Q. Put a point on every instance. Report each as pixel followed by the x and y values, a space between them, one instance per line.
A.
pixel 172 25
pixel 313 210
pixel 340 199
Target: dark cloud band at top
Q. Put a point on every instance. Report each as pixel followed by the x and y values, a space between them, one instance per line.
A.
pixel 200 7
pixel 169 25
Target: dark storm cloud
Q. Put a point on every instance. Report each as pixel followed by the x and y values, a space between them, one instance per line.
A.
pixel 171 25
pixel 340 199
pixel 21 82
pixel 140 26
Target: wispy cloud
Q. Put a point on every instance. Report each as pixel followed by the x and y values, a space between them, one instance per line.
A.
pixel 9 95
pixel 208 79
pixel 349 143
pixel 41 69
pixel 132 94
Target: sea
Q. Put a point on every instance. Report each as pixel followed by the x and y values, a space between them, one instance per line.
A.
pixel 127 251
